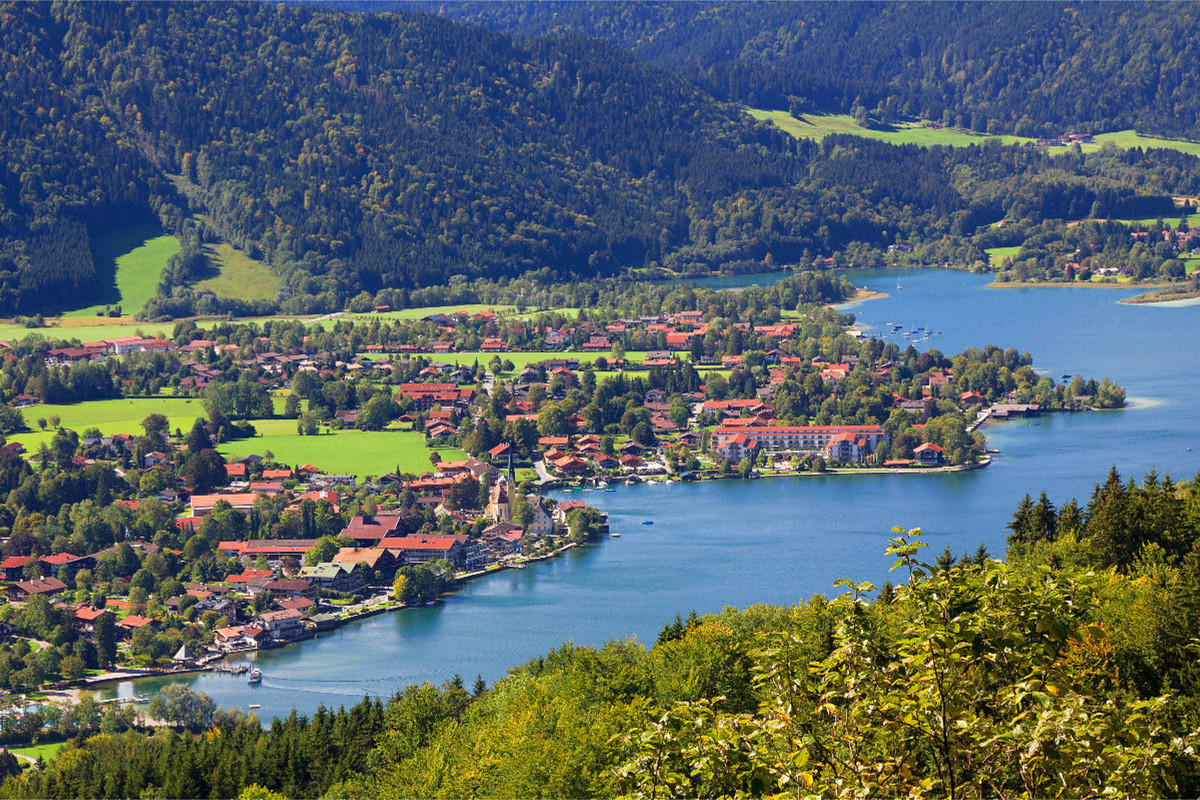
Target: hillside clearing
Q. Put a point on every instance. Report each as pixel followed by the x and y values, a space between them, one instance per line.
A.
pixel 239 277
pixel 818 126
pixel 129 262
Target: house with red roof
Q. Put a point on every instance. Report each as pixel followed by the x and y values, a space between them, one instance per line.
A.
pixel 85 618
pixel 929 454
pixel 367 529
pixel 13 567
pixel 44 586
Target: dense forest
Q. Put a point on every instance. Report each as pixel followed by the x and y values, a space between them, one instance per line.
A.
pixel 1068 671
pixel 1028 68
pixel 366 153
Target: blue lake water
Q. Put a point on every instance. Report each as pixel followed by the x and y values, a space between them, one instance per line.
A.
pixel 737 543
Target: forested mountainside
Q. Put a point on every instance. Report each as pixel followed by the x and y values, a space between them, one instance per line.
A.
pixel 356 154
pixel 1026 68
pixel 1069 671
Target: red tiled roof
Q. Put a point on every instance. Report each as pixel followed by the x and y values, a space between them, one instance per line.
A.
pixel 42 586
pixel 421 542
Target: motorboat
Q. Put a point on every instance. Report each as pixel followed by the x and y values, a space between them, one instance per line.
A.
pixel 256 675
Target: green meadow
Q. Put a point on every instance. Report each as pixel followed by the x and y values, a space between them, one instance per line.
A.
pixel 46 752
pixel 425 311
pixel 130 260
pixel 86 327
pixel 239 276
pixel 1127 139
pixel 74 328
pixel 343 452
pixel 109 416
pixel 997 254
pixel 519 360
pixel 347 451
pixel 818 126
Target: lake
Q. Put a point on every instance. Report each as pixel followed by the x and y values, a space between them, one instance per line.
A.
pixel 736 543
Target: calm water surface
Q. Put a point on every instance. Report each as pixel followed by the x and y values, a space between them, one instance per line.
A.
pixel 775 541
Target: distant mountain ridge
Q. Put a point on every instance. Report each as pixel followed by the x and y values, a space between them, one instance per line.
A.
pixel 362 156
pixel 1024 67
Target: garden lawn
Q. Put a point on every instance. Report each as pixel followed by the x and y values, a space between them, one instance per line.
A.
pixel 340 452
pixel 240 276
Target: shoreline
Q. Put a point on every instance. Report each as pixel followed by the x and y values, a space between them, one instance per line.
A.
pixel 860 296
pixel 993 284
pixel 1163 297
pixel 72 694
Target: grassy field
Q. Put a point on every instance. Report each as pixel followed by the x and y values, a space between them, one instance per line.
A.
pixel 85 329
pixel 998 254
pixel 519 360
pixel 132 259
pixel 818 126
pixel 47 752
pixel 569 313
pixel 417 313
pixel 110 416
pixel 347 451
pixel 241 277
pixel 1129 139
pixel 1170 222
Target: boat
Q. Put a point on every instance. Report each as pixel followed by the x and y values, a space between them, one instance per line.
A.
pixel 647 522
pixel 256 675
pixel 615 535
pixel 602 485
pixel 668 481
pixel 254 705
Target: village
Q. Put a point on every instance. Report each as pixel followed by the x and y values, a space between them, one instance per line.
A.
pixel 140 552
